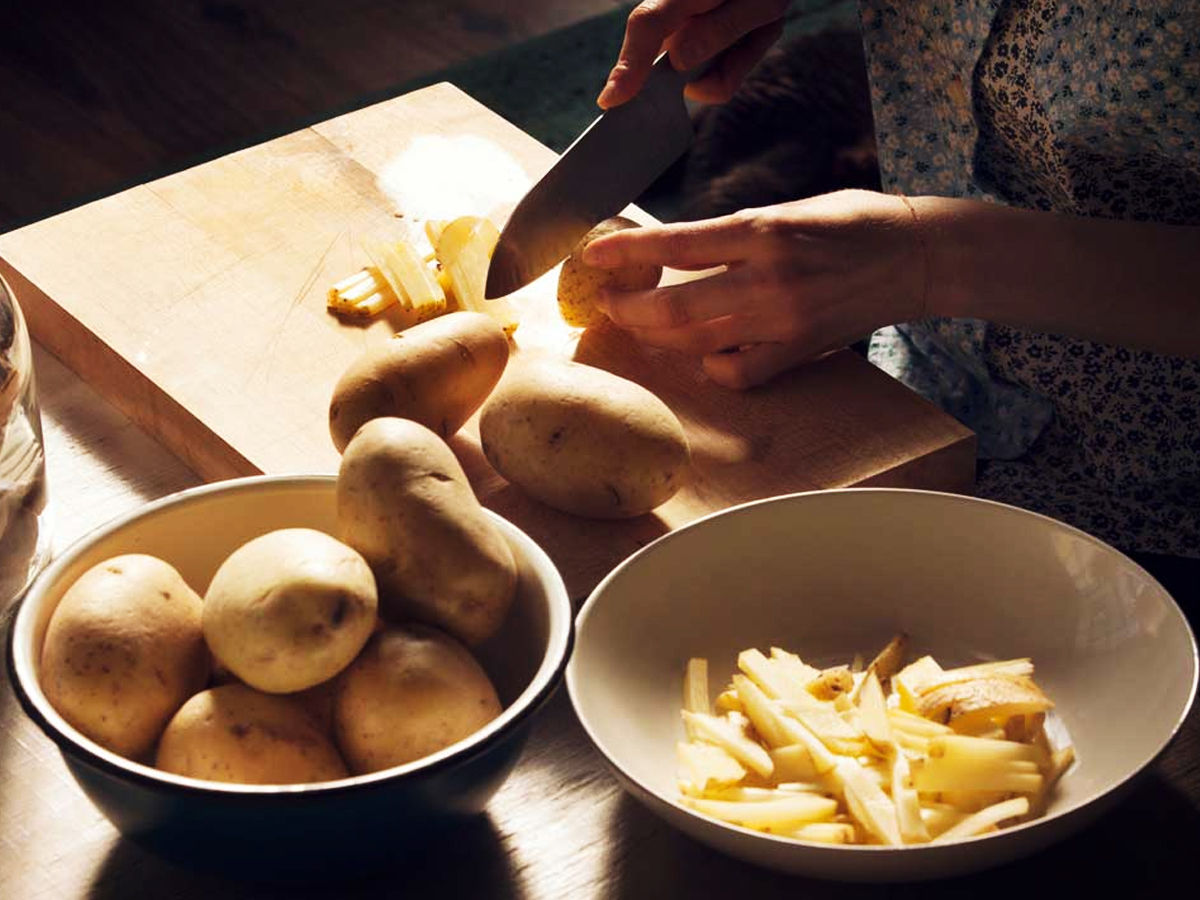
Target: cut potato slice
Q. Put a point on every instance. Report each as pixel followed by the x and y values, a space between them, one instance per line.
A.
pixel 784 814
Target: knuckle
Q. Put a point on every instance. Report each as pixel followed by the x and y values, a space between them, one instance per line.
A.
pixel 646 17
pixel 672 311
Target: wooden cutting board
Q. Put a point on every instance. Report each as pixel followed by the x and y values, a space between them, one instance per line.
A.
pixel 196 304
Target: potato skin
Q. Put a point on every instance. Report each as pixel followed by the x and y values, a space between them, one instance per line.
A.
pixel 289 609
pixel 412 691
pixel 236 734
pixel 579 285
pixel 124 648
pixel 437 373
pixel 584 441
pixel 405 504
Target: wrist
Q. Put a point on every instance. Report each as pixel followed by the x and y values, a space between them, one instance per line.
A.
pixel 944 227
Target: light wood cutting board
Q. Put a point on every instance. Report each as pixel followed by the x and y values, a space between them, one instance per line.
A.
pixel 196 304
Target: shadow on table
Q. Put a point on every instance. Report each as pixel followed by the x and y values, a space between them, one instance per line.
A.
pixel 471 863
pixel 1148 840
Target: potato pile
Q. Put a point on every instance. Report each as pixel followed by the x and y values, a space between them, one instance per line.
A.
pixel 309 657
pixel 574 437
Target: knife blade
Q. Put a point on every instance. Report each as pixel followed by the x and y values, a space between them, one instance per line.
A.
pixel 605 169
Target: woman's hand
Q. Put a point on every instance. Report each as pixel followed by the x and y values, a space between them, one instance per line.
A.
pixel 807 277
pixel 800 279
pixel 733 33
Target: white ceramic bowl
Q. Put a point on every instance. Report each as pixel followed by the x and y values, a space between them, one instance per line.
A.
pixel 276 831
pixel 832 573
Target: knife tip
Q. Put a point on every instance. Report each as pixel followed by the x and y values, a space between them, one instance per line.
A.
pixel 503 276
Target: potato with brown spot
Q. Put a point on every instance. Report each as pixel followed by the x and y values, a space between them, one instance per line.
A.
pixel 436 373
pixel 580 285
pixel 289 609
pixel 583 440
pixel 405 504
pixel 236 734
pixel 412 691
pixel 123 649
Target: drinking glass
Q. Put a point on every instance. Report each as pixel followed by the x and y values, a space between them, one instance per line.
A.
pixel 24 520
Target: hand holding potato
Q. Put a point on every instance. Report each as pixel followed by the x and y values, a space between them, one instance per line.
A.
pixel 581 287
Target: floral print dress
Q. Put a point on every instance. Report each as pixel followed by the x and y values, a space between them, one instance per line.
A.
pixel 1083 108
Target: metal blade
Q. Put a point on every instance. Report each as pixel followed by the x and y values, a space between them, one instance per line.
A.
pixel 603 171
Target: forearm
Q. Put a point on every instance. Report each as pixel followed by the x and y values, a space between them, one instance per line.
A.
pixel 1133 284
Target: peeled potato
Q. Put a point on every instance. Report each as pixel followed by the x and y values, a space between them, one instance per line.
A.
pixel 234 733
pixel 124 648
pixel 412 691
pixel 579 285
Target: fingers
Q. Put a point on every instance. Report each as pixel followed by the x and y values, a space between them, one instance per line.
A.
pixel 721 82
pixel 711 33
pixel 674 306
pixel 679 245
pixel 648 27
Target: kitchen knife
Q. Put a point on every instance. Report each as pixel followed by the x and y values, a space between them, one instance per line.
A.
pixel 604 170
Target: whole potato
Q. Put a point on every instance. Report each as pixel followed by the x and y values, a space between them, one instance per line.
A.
pixel 404 503
pixel 412 691
pixel 579 285
pixel 584 441
pixel 123 649
pixel 437 373
pixel 234 733
pixel 289 609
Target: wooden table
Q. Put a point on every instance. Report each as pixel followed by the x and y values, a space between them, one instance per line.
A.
pixel 560 827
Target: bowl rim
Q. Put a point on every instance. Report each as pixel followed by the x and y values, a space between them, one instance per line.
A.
pixel 22 672
pixel 589 605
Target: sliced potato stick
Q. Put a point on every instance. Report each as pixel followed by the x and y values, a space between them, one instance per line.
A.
pixel 726 735
pixel 826 833
pixel 985 819
pixel 893 774
pixel 702 765
pixel 977 749
pixel 782 814
pixel 762 713
pixel 934 775
pixel 796 669
pixel 794 763
pixel 908 803
pixel 728 701
pixel 873 707
pixel 867 802
pixel 695 686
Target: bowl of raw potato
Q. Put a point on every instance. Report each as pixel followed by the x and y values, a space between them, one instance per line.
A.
pixel 265 674
pixel 222 681
pixel 880 684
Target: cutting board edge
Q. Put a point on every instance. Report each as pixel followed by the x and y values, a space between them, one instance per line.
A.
pixel 123 385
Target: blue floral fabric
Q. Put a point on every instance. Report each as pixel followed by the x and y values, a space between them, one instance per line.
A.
pixel 1082 108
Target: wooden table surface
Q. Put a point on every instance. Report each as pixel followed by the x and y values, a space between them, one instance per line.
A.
pixel 560 827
